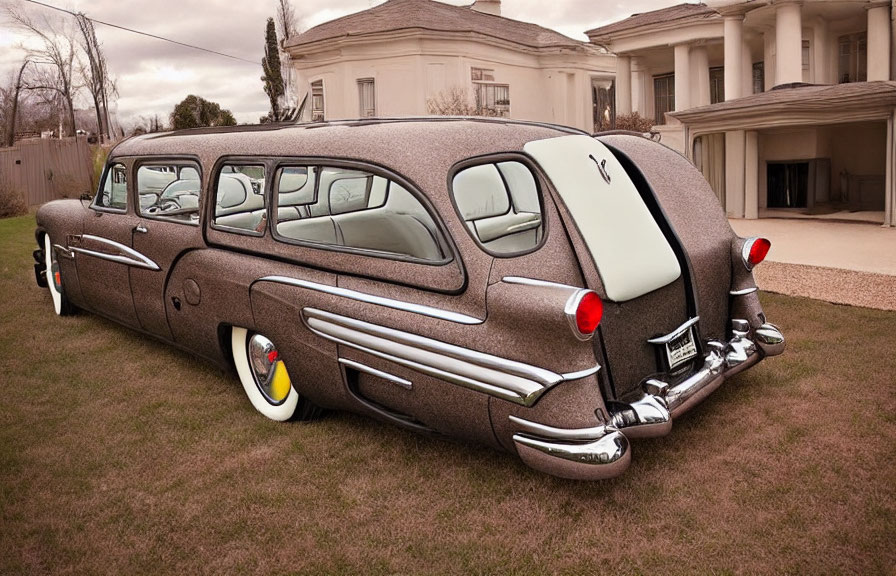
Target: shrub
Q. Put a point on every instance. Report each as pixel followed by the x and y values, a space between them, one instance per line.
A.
pixel 12 202
pixel 67 185
pixel 634 122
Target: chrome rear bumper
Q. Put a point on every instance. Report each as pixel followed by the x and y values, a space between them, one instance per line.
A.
pixel 603 451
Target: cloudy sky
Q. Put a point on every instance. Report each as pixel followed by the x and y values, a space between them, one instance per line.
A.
pixel 153 75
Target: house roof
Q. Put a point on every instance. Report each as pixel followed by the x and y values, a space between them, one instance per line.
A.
pixel 397 15
pixel 663 16
pixel 791 104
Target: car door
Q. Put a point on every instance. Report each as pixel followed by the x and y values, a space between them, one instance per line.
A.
pixel 167 226
pixel 103 253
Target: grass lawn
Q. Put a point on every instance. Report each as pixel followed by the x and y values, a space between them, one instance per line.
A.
pixel 122 455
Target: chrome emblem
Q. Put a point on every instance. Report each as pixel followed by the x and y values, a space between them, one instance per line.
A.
pixel 602 168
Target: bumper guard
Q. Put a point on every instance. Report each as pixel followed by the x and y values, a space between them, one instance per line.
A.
pixel 603 451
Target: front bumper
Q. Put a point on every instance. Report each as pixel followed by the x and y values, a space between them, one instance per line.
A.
pixel 603 451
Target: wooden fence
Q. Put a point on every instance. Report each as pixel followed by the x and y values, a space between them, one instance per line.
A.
pixel 47 169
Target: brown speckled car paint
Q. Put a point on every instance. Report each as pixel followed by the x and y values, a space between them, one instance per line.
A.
pixel 210 280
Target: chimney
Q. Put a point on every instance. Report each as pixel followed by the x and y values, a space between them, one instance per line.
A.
pixel 487 6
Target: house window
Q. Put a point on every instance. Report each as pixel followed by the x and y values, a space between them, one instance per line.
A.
pixel 367 97
pixel 805 54
pixel 716 85
pixel 492 98
pixel 853 58
pixel 663 96
pixel 758 77
pixel 317 101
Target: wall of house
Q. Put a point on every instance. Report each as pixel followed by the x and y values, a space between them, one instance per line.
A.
pixel 859 149
pixel 408 72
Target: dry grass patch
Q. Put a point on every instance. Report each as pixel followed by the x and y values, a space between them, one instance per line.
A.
pixel 122 455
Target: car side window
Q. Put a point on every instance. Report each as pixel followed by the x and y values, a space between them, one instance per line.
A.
pixel 169 190
pixel 114 193
pixel 500 204
pixel 239 198
pixel 354 209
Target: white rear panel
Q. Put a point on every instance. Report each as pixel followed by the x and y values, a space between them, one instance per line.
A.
pixel 628 247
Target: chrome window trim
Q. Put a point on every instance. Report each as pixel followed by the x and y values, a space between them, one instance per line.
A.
pixel 675 333
pixel 406 384
pixel 378 300
pixel 127 255
pixel 500 377
pixel 743 292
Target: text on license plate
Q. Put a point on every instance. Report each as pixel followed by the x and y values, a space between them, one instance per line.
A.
pixel 681 349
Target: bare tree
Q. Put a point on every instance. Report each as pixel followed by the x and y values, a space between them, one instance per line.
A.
pixel 53 74
pixel 287 21
pixel 96 77
pixel 9 105
pixel 455 101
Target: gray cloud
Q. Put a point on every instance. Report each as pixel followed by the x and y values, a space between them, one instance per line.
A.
pixel 152 75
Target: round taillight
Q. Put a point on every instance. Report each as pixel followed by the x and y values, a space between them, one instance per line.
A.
pixel 584 311
pixel 755 251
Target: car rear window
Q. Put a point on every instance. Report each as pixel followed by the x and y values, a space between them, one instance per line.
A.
pixel 500 204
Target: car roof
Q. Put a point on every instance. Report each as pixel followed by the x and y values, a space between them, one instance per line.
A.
pixel 395 142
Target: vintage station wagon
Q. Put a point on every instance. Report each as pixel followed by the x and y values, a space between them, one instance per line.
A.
pixel 521 285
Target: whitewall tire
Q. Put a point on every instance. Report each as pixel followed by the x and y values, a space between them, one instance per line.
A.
pixel 265 378
pixel 61 305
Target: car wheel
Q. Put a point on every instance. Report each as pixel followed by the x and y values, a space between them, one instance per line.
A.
pixel 54 280
pixel 265 378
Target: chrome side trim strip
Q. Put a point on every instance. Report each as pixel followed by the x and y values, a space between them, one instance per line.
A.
pixel 675 333
pixel 63 251
pixel 126 255
pixel 581 373
pixel 743 292
pixel 549 432
pixel 406 384
pixel 378 300
pixel 534 282
pixel 500 377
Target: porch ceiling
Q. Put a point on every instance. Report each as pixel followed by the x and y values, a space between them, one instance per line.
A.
pixel 795 105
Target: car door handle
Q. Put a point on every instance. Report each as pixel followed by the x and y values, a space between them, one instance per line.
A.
pixel 141 229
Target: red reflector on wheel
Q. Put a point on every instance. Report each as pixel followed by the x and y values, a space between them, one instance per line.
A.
pixel 757 250
pixel 588 313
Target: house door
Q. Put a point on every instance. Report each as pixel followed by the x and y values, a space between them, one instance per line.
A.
pixel 788 184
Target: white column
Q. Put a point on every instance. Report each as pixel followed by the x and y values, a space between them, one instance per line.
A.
pixel 700 81
pixel 734 173
pixel 822 66
pixel 751 175
pixel 734 43
pixel 890 174
pixel 746 70
pixel 623 85
pixel 788 44
pixel 768 55
pixel 879 42
pixel 682 77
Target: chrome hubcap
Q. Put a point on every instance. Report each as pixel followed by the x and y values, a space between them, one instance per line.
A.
pixel 267 369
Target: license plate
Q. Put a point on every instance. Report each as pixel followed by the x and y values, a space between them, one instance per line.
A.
pixel 681 349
